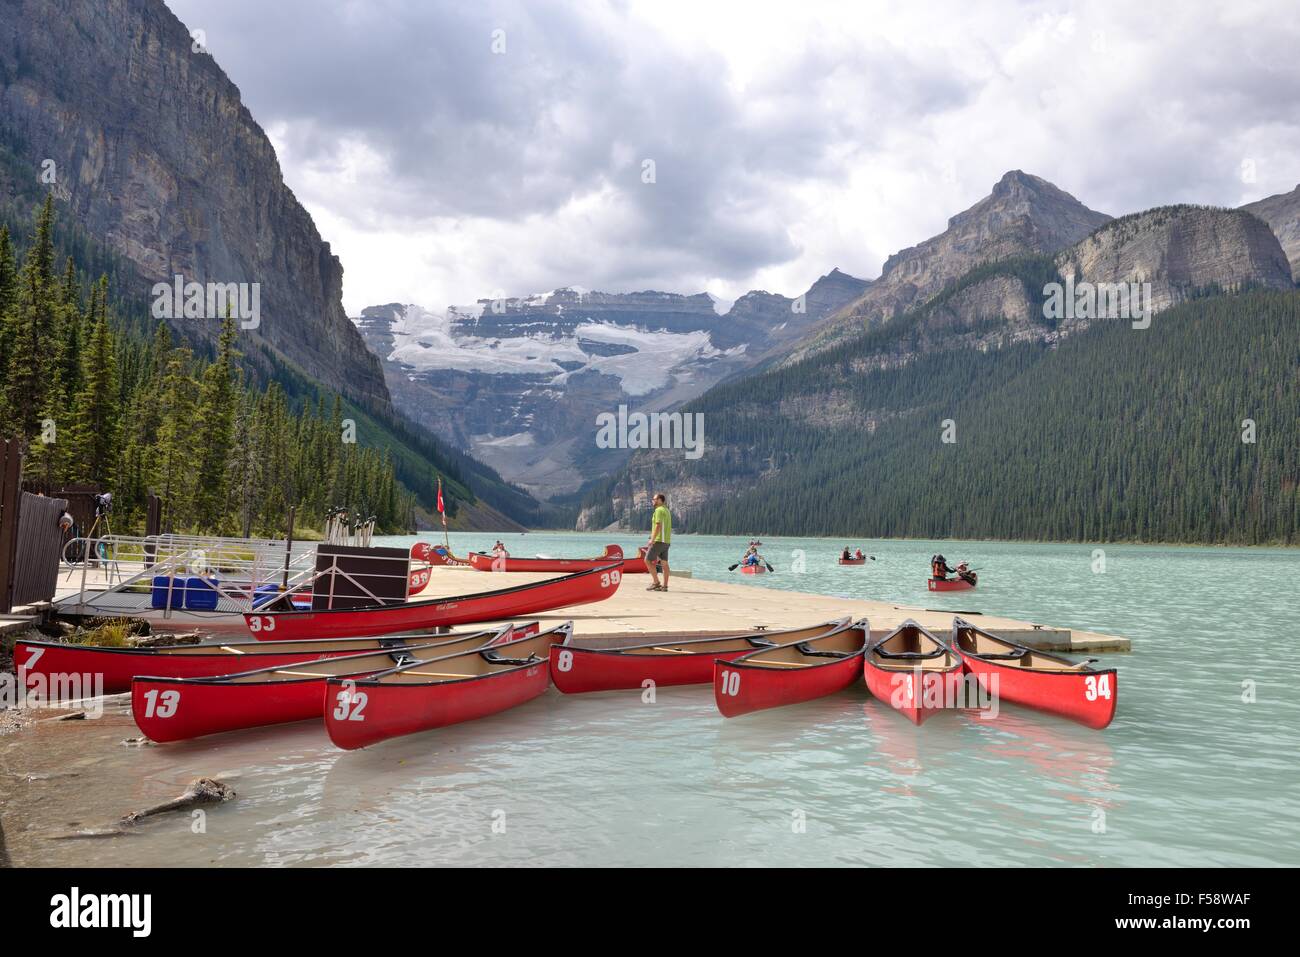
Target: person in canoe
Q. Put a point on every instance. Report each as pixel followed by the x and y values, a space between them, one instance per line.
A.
pixel 845 554
pixel 964 572
pixel 499 550
pixel 940 569
pixel 661 536
pixel 857 555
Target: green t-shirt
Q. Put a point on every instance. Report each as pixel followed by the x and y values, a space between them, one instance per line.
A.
pixel 665 520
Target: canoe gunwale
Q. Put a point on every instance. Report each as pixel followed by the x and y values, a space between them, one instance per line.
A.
pixel 959 624
pixel 710 639
pixel 376 678
pixel 839 627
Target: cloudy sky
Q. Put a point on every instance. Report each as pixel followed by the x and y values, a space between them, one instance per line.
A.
pixel 452 150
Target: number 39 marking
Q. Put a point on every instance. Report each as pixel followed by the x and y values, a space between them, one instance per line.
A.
pixel 610 578
pixel 1096 686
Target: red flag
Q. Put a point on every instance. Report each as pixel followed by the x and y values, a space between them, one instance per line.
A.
pixel 442 510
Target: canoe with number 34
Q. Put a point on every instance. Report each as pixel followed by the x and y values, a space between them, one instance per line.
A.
pixel 176 709
pixel 521 601
pixel 436 691
pixel 791 673
pixel 1036 679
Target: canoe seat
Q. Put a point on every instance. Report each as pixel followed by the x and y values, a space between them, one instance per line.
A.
pixel 494 658
pixel 909 655
pixel 804 649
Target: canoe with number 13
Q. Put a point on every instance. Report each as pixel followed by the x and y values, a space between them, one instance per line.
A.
pixel 176 709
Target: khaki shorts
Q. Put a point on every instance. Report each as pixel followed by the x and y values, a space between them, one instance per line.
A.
pixel 658 552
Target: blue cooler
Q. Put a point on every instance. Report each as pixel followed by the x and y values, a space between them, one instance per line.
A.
pixel 200 594
pixel 265 594
pixel 158 596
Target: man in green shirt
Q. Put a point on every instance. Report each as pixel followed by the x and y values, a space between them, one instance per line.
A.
pixel 661 535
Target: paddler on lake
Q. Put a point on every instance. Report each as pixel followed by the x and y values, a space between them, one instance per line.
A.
pixel 661 535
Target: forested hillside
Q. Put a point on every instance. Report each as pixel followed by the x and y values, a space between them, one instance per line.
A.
pixel 1187 431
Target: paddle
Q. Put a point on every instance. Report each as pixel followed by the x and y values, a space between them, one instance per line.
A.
pixel 769 565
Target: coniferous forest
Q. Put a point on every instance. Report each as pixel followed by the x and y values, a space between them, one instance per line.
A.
pixel 1188 431
pixel 134 413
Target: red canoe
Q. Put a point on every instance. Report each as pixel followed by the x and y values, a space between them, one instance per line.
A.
pixel 636 566
pixel 914 672
pixel 668 661
pixel 435 692
pixel 752 570
pixel 486 563
pixel 791 673
pixel 854 561
pixel 48 665
pixel 175 709
pixel 1035 679
pixel 517 602
pixel 952 584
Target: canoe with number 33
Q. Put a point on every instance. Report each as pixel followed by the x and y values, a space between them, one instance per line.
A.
pixel 436 691
pixel 581 588
pixel 175 709
pixel 1036 679
pixel 791 673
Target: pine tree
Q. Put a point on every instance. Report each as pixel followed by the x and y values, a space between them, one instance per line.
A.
pixel 216 415
pixel 29 330
pixel 95 408
pixel 173 453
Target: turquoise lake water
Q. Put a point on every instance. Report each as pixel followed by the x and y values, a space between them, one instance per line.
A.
pixel 1189 772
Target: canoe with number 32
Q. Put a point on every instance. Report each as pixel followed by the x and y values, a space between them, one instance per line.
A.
pixel 436 691
pixel 175 709
pixel 581 588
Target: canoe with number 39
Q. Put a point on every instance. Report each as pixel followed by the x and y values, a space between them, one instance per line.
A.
pixel 176 709
pixel 791 673
pixel 1036 679
pixel 436 691
pixel 521 601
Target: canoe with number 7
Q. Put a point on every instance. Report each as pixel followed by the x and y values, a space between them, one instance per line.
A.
pixel 521 601
pixel 46 666
pixel 913 672
pixel 665 662
pixel 791 673
pixel 437 691
pixel 176 709
pixel 1036 679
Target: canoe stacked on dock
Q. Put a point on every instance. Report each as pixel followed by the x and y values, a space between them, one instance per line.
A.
pixel 483 562
pixel 580 588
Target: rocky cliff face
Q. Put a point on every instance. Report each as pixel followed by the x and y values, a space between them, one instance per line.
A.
pixel 1181 250
pixel 519 382
pixel 1022 215
pixel 1282 213
pixel 155 153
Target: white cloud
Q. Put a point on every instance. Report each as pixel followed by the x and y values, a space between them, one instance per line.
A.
pixel 788 138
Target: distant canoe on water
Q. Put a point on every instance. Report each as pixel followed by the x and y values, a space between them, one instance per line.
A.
pixel 484 562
